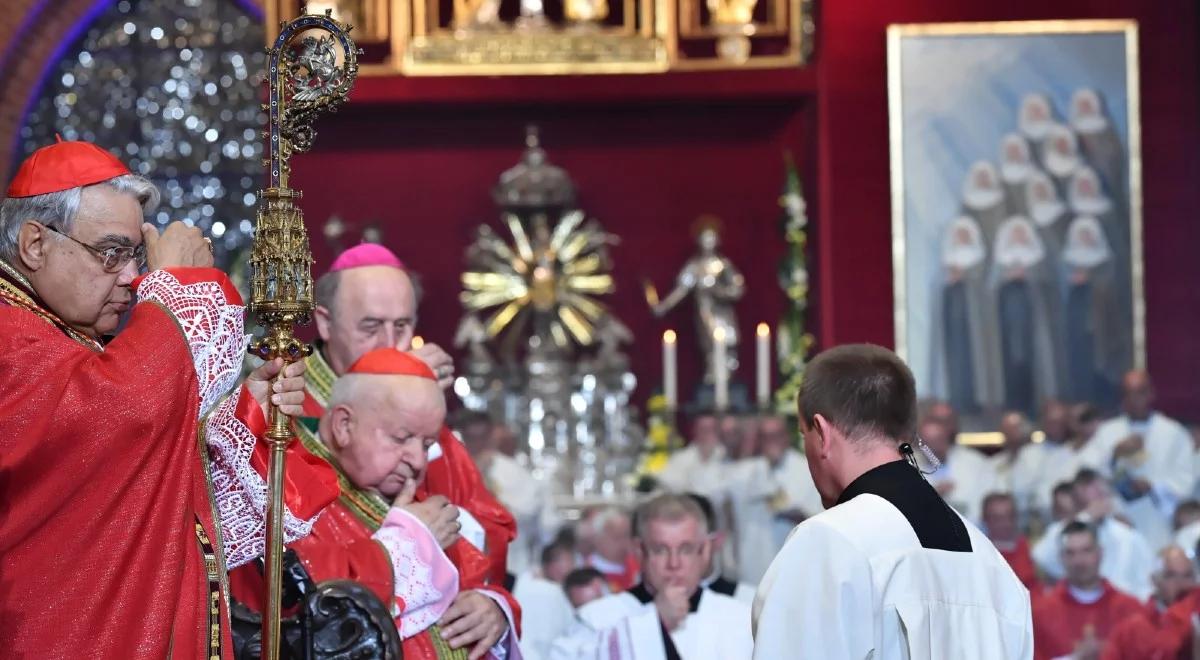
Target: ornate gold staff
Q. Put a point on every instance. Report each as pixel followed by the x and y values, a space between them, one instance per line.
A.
pixel 305 78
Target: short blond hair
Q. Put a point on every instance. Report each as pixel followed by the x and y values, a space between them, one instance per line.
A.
pixel 670 507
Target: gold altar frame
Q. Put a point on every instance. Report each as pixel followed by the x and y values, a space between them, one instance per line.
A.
pixel 897 35
pixel 660 31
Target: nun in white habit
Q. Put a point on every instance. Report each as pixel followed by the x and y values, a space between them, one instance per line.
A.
pixel 889 570
pixel 1034 120
pixel 1097 345
pixel 1016 165
pixel 969 361
pixel 983 197
pixel 1060 157
pixel 1046 209
pixel 1099 141
pixel 1024 285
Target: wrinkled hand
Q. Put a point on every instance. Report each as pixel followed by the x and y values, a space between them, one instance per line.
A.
pixel 178 246
pixel 439 361
pixel 287 393
pixel 436 513
pixel 473 619
pixel 672 605
pixel 1129 446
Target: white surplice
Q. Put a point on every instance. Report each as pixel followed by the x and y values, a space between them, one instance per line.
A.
pixel 621 627
pixel 545 614
pixel 1126 560
pixel 524 497
pixel 855 582
pixel 1166 463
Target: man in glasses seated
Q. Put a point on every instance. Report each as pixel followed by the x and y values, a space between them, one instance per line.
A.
pixel 117 521
pixel 668 614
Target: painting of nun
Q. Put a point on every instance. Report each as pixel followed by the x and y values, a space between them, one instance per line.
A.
pixel 1016 214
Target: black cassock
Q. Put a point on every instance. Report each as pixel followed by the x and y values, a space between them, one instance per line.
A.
pixel 960 367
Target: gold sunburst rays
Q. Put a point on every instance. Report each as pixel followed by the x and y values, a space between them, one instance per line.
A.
pixel 552 274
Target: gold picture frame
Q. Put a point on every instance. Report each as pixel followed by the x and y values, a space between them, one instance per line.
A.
pixel 949 87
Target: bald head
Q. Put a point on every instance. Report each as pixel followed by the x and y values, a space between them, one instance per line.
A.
pixel 378 428
pixel 1015 428
pixel 1137 394
pixel 1175 575
pixel 362 309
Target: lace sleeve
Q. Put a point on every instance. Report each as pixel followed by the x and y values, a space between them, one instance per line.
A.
pixel 240 490
pixel 211 315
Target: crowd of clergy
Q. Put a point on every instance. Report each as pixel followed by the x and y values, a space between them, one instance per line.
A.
pixel 148 478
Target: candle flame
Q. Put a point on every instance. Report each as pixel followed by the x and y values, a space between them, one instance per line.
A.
pixel 764 330
pixel 719 335
pixel 669 337
pixel 417 342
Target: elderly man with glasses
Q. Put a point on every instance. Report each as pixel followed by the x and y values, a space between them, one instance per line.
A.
pixel 118 521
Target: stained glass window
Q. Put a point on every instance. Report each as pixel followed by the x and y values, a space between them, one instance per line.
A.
pixel 170 87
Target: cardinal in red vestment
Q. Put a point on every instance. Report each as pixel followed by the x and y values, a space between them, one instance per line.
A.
pixel 387 531
pixel 128 479
pixel 1151 634
pixel 366 301
pixel 1077 615
pixel 1000 522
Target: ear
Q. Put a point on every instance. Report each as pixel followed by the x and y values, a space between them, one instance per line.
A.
pixel 324 321
pixel 824 433
pixel 32 241
pixel 342 425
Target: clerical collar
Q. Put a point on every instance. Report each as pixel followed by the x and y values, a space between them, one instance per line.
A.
pixel 643 595
pixel 1086 596
pixel 722 585
pixel 936 525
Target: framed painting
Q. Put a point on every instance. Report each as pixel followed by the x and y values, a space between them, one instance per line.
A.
pixel 1016 211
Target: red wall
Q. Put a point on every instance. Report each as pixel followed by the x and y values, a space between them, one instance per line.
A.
pixel 649 155
pixel 855 210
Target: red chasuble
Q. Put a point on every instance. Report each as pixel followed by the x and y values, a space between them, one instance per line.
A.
pixel 1059 620
pixel 453 475
pixel 343 545
pixel 111 544
pixel 1147 635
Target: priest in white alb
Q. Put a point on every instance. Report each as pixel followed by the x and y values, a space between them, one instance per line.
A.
pixel 1147 455
pixel 668 615
pixel 888 570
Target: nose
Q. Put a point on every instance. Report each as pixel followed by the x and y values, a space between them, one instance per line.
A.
pixel 128 273
pixel 388 337
pixel 674 561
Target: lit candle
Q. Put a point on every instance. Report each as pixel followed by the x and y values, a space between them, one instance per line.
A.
pixel 720 370
pixel 417 342
pixel 670 377
pixel 763 371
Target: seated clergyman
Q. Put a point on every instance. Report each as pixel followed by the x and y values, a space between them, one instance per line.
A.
pixel 385 531
pixel 669 614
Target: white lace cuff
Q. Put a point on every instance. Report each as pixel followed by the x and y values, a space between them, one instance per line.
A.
pixel 212 322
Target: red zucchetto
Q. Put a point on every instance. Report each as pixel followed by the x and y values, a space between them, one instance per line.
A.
pixel 62 166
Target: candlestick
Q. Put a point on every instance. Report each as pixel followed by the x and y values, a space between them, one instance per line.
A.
pixel 763 367
pixel 670 375
pixel 720 370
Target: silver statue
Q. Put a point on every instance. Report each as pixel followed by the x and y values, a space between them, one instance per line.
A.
pixel 717 286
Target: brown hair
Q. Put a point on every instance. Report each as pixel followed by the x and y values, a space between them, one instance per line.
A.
pixel 862 389
pixel 668 506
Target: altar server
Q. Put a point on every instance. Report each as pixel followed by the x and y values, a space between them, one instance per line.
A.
pixel 888 570
pixel 669 614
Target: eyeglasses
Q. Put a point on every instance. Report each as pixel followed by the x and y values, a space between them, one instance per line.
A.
pixel 114 258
